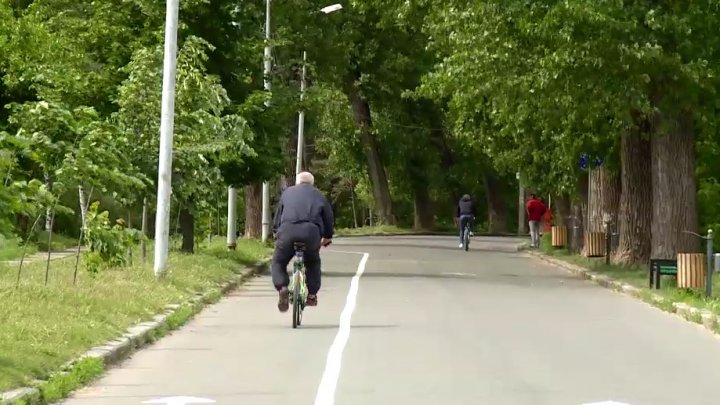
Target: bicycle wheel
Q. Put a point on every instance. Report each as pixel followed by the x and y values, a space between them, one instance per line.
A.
pixel 466 238
pixel 296 301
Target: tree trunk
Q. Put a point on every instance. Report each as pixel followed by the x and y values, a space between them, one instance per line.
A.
pixel 48 210
pixel 424 215
pixel 561 210
pixel 376 170
pixel 674 187
pixel 635 201
pixel 497 210
pixel 611 196
pixel 604 199
pixel 253 211
pixel 352 201
pixel 187 228
pixel 83 204
pixel 596 198
pixel 578 207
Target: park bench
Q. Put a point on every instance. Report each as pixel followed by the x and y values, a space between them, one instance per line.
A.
pixel 661 267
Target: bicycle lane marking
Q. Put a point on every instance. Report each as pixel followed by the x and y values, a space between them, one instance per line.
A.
pixel 328 382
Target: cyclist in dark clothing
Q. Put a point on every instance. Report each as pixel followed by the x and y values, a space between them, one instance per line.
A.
pixel 303 215
pixel 465 212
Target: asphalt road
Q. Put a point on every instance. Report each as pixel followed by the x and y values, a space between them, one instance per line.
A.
pixel 416 320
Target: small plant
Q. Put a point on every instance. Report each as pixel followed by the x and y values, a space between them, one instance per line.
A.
pixel 107 244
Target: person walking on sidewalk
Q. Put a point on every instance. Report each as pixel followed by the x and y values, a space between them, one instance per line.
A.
pixel 535 210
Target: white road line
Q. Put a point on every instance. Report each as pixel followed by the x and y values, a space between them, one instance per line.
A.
pixel 606 403
pixel 328 383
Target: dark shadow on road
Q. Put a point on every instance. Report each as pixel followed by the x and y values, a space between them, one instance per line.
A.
pixel 377 274
pixel 511 279
pixel 321 326
pixel 497 248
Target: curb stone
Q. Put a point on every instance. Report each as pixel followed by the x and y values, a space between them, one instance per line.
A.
pixel 687 312
pixel 135 337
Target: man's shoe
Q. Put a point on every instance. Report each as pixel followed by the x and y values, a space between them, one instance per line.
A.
pixel 462 245
pixel 311 300
pixel 283 299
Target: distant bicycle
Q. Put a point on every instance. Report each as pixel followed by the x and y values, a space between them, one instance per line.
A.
pixel 297 286
pixel 466 236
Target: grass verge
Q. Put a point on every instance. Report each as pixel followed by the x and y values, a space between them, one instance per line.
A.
pixel 43 327
pixel 11 249
pixel 637 276
pixel 59 242
pixel 389 230
pixel 379 230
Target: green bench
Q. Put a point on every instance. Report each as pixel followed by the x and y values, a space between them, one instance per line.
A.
pixel 661 267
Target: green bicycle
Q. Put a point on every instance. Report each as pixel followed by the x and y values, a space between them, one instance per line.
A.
pixel 298 288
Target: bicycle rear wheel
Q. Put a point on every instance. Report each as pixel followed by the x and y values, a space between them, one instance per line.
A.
pixel 296 301
pixel 466 238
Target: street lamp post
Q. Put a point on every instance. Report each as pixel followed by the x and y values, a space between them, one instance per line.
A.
pixel 162 219
pixel 301 121
pixel 267 66
pixel 303 85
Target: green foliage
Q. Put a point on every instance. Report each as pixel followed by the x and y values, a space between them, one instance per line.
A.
pixel 107 244
pixel 81 373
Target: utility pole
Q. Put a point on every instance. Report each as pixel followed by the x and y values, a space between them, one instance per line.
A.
pixel 162 219
pixel 232 218
pixel 266 73
pixel 301 121
pixel 521 205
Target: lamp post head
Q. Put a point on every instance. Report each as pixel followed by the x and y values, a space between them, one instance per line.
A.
pixel 331 8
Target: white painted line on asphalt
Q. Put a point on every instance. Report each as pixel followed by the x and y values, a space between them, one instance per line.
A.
pixel 328 383
pixel 180 401
pixel 460 274
pixel 605 403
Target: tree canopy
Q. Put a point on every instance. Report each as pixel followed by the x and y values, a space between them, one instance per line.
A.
pixel 410 104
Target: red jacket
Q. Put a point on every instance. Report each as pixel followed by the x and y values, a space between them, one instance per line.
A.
pixel 535 210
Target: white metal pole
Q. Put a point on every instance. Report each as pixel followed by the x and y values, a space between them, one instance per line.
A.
pixel 162 219
pixel 521 205
pixel 301 121
pixel 232 218
pixel 266 72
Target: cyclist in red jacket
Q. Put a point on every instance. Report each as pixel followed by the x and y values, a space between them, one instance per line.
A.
pixel 535 210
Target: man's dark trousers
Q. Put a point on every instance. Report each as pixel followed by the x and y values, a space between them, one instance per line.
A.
pixel 464 219
pixel 307 233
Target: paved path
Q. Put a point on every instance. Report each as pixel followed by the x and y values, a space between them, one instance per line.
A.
pixel 42 256
pixel 428 324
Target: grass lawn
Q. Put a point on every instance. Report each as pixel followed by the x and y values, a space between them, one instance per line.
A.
pixel 387 230
pixel 10 249
pixel 59 242
pixel 639 277
pixel 373 231
pixel 41 327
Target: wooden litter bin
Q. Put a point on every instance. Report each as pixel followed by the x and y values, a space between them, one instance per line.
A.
pixel 594 244
pixel 559 236
pixel 691 270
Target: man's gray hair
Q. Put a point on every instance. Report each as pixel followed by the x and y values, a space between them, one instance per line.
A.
pixel 305 177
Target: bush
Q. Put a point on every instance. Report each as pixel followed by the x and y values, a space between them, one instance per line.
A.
pixel 59 242
pixel 107 244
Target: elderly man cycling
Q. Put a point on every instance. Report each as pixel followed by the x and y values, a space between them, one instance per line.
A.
pixel 303 215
